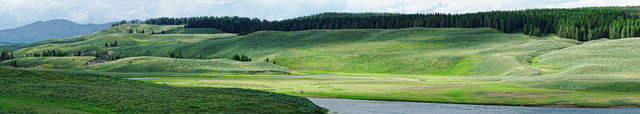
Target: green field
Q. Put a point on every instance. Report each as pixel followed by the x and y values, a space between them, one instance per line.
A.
pixel 440 89
pixel 23 91
pixel 452 65
pixel 152 64
pixel 446 51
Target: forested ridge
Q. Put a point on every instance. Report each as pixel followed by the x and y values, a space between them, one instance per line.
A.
pixel 582 24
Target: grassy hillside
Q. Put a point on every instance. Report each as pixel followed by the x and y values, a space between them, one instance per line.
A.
pixel 194 31
pixel 92 42
pixel 161 64
pixel 595 57
pixel 48 92
pixel 434 51
pixel 152 64
pixel 50 62
pixel 449 51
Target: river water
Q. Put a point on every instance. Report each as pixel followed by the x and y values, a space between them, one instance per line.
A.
pixel 350 106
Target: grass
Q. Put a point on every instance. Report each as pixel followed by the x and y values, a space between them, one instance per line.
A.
pixel 153 64
pixel 194 31
pixel 161 64
pixel 42 92
pixel 459 65
pixel 614 57
pixel 50 62
pixel 423 89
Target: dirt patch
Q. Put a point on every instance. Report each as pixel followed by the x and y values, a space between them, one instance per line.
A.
pixel 440 86
pixel 95 61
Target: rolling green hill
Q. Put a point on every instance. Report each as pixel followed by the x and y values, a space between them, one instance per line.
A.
pixel 433 51
pixel 152 64
pixel 464 60
pixel 24 91
pixel 161 64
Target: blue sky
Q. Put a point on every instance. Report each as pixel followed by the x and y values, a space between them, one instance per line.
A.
pixel 15 13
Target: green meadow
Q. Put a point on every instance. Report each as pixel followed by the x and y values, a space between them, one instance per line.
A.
pixel 447 65
pixel 31 91
pixel 439 89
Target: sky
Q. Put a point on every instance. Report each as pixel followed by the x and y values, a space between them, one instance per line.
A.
pixel 15 13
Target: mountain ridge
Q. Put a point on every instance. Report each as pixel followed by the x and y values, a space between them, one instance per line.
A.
pixel 47 30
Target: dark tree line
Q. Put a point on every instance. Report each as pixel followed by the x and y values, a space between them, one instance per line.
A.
pixel 242 58
pixel 114 44
pixel 49 53
pixel 53 53
pixel 175 55
pixel 5 55
pixel 126 22
pixel 579 23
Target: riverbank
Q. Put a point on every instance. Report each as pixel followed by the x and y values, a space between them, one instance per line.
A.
pixel 351 106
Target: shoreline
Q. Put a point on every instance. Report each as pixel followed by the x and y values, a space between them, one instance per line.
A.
pixel 487 104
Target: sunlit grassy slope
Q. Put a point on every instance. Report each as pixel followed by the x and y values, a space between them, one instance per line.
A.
pixel 161 64
pixel 50 62
pixel 452 51
pixel 152 64
pixel 50 92
pixel 434 51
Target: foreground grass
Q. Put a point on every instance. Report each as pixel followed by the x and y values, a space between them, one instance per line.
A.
pixel 424 89
pixel 39 92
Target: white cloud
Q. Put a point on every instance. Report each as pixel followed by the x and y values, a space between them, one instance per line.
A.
pixel 15 13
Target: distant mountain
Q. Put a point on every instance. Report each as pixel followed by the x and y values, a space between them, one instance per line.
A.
pixel 7 43
pixel 52 29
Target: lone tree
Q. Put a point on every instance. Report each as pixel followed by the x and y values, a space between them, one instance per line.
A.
pixel 236 57
pixel 14 63
pixel 179 55
pixel 200 57
pixel 170 54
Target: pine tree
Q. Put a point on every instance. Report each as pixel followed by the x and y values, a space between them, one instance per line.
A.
pixel 244 58
pixel 14 64
pixel 179 55
pixel 170 54
pixel 236 57
pixel 200 57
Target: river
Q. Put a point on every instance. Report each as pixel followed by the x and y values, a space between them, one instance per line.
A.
pixel 351 106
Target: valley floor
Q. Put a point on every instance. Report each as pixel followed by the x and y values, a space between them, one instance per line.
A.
pixel 437 89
